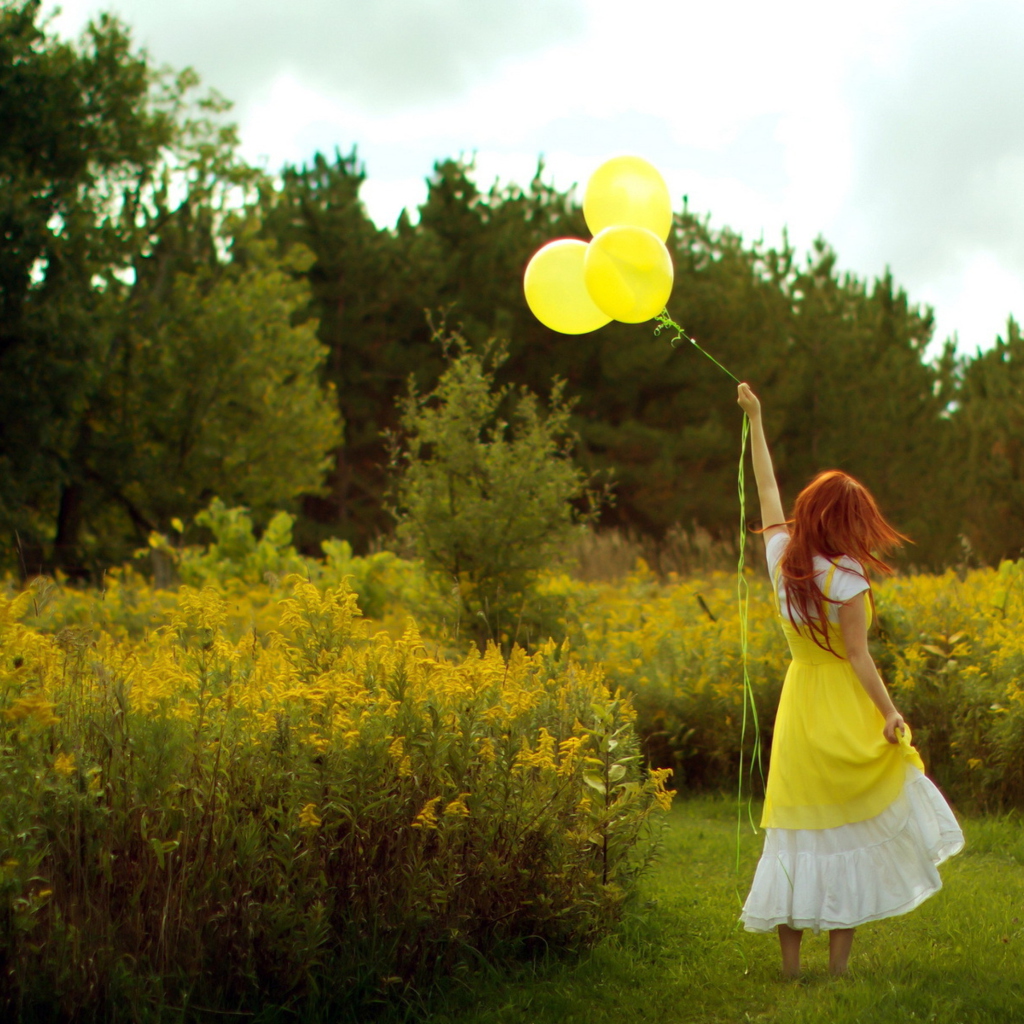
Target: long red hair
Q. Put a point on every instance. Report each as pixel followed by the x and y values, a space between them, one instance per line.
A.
pixel 834 515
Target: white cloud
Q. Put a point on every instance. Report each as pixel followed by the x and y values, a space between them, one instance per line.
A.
pixel 938 161
pixel 382 54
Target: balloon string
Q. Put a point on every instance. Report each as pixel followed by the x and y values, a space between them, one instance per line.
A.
pixel 665 321
pixel 743 601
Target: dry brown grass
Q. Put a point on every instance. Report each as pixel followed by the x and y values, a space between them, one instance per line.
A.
pixel 609 555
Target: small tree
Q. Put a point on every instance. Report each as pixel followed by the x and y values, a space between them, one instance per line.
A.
pixel 484 489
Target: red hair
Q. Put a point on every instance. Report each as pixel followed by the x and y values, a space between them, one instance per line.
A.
pixel 834 515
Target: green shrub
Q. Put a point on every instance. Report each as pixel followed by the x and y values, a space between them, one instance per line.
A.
pixel 484 492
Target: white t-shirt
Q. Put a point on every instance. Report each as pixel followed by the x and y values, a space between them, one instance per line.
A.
pixel 845 584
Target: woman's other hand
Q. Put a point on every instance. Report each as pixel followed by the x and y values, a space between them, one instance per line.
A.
pixel 893 721
pixel 747 401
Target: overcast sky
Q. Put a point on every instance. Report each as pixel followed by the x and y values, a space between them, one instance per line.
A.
pixel 894 128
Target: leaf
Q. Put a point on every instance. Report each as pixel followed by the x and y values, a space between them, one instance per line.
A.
pixel 595 782
pixel 617 772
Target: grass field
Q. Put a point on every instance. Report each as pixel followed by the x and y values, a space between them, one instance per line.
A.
pixel 680 956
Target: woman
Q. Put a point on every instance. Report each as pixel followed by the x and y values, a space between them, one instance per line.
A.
pixel 853 828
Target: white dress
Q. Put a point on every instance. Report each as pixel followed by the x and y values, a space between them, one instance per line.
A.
pixel 846 875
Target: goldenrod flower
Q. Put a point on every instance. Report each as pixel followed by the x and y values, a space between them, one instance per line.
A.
pixel 663 796
pixel 568 752
pixel 36 707
pixel 427 818
pixel 308 817
pixel 457 808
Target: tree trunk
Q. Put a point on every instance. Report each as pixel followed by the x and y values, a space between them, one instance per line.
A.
pixel 69 523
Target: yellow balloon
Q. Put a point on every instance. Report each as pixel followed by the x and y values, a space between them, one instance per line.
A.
pixel 628 272
pixel 555 291
pixel 628 190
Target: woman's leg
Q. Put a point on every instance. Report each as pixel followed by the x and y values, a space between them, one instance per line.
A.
pixel 840 941
pixel 789 940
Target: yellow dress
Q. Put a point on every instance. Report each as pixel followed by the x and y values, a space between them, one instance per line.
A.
pixel 830 765
pixel 854 829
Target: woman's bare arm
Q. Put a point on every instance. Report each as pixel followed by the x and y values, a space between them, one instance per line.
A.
pixel 772 518
pixel 853 623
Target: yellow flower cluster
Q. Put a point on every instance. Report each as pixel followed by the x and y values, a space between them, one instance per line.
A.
pixel 950 646
pixel 280 737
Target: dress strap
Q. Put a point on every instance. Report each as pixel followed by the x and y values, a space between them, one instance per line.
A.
pixel 867 593
pixel 775 584
pixel 828 580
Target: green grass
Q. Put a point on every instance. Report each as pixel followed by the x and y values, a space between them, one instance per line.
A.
pixel 680 956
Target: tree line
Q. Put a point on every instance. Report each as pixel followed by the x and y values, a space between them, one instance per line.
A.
pixel 176 325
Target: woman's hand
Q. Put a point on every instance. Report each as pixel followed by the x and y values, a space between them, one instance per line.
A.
pixel 747 401
pixel 893 721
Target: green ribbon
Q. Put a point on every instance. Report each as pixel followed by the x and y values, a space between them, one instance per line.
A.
pixel 665 322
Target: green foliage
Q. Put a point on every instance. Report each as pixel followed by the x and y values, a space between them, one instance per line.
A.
pixel 989 423
pixel 368 289
pixel 484 489
pixel 466 251
pixel 384 583
pixel 84 127
pixel 235 553
pixel 148 356
pixel 214 390
pixel 841 364
pixel 380 581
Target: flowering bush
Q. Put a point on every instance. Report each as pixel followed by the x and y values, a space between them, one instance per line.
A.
pixel 674 646
pixel 950 646
pixel 954 649
pixel 303 812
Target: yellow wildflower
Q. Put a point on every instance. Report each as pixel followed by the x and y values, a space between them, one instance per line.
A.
pixel 427 818
pixel 400 757
pixel 663 796
pixel 308 817
pixel 545 756
pixel 34 706
pixel 457 808
pixel 64 764
pixel 568 751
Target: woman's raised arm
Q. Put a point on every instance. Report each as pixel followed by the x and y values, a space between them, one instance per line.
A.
pixel 772 518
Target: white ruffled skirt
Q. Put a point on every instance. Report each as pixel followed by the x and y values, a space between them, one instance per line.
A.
pixel 843 877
